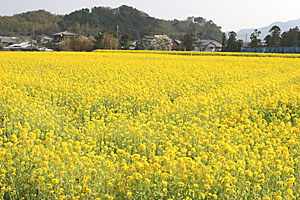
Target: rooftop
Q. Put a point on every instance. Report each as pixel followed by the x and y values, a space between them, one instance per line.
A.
pixel 65 33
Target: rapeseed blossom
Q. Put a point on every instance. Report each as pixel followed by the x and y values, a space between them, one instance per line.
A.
pixel 149 125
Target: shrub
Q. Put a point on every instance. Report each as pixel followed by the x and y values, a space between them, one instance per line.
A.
pixel 107 41
pixel 77 44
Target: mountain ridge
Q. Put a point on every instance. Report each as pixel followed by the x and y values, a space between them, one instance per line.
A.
pixel 284 26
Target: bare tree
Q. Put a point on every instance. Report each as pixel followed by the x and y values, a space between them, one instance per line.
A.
pixel 107 41
pixel 65 45
pixel 77 44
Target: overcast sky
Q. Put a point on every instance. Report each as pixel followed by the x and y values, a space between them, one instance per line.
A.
pixel 229 14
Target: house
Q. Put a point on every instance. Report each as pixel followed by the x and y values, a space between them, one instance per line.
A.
pixel 191 19
pixel 157 42
pixel 18 47
pixel 177 45
pixel 133 45
pixel 149 42
pixel 44 39
pixel 25 46
pixel 62 35
pixel 26 38
pixel 5 41
pixel 207 45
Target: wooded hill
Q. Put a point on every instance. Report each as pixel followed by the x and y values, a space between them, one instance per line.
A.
pixel 90 22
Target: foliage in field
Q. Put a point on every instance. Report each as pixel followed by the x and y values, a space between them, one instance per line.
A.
pixel 148 126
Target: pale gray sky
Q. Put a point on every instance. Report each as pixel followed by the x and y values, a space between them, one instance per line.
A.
pixel 229 14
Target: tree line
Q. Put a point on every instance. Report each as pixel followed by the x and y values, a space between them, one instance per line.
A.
pixel 89 22
pixel 232 44
pixel 107 40
pixel 275 38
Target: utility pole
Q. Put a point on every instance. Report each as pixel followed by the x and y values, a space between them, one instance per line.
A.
pixel 117 31
pixel 32 35
pixel 200 34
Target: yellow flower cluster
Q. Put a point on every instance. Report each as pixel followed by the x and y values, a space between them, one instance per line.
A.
pixel 114 125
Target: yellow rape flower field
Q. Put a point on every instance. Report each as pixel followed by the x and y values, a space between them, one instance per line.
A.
pixel 114 125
